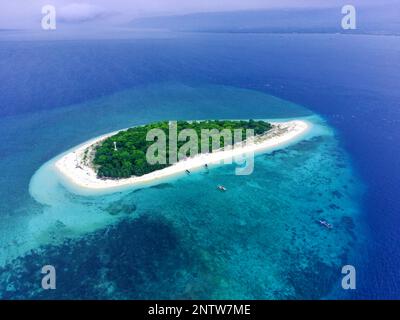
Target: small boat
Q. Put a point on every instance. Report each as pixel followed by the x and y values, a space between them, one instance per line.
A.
pixel 325 224
pixel 187 171
pixel 206 165
pixel 221 188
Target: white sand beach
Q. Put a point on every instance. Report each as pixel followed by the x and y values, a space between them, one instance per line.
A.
pixel 76 170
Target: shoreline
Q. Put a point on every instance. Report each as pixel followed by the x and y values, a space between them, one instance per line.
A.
pixel 73 168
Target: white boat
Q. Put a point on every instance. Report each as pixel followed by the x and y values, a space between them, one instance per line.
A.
pixel 325 224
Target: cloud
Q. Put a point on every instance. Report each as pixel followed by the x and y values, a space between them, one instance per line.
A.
pixel 80 12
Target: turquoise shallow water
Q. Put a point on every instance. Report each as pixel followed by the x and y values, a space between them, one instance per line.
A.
pixel 182 238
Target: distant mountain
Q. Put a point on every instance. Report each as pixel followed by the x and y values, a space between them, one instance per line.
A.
pixel 382 20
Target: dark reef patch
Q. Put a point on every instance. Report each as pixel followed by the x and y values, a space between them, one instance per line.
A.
pixel 120 207
pixel 132 260
pixel 313 280
pixel 162 186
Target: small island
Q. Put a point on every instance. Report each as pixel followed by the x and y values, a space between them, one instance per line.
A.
pixel 119 158
pixel 124 154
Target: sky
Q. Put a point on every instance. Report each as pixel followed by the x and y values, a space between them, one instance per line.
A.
pixel 23 14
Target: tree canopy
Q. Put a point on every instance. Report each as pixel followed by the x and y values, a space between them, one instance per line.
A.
pixel 124 154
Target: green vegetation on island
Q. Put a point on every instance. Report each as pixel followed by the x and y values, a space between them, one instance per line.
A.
pixel 124 154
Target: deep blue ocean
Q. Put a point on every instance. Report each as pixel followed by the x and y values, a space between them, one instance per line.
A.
pixel 180 239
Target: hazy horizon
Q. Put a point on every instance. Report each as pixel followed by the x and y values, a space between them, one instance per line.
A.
pixel 19 14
